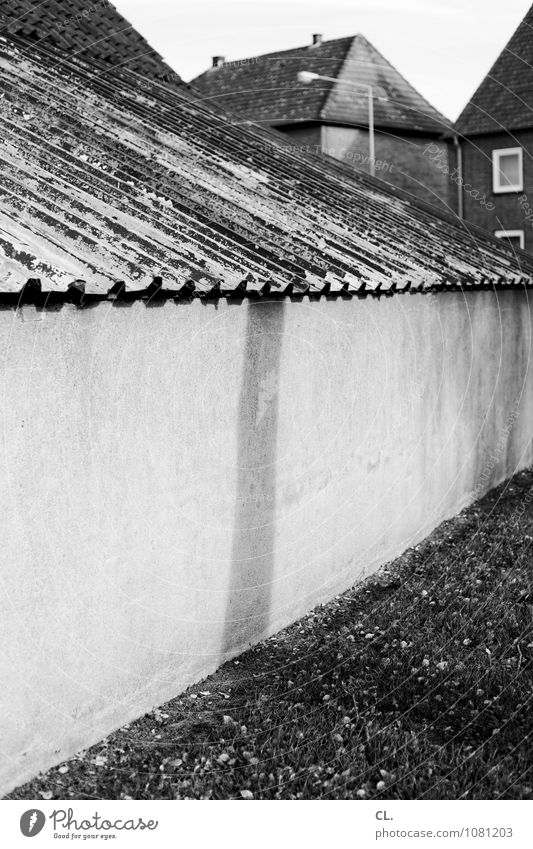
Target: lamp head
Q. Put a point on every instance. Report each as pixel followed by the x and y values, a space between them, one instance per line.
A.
pixel 307 77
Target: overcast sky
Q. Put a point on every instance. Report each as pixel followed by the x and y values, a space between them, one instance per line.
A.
pixel 443 47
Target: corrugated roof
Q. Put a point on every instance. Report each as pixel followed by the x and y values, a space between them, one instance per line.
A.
pixel 265 88
pixel 504 100
pixel 126 180
pixel 91 29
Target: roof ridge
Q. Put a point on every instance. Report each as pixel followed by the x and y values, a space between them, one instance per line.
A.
pixel 297 51
pixel 332 86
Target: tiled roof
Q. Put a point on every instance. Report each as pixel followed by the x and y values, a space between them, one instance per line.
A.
pixel 265 88
pixel 91 29
pixel 504 100
pixel 126 181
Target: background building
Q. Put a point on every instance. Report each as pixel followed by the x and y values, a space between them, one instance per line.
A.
pixel 495 135
pixel 333 117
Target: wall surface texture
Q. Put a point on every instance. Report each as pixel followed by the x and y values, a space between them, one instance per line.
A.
pixel 179 481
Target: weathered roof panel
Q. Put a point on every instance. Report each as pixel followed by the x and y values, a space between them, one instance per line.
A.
pixel 129 180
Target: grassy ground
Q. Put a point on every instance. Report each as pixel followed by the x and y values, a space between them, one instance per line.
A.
pixel 416 685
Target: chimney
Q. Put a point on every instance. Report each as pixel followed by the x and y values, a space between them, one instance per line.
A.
pixel 317 39
pixel 218 61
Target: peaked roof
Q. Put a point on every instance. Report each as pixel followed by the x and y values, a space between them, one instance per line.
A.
pixel 91 29
pixel 504 100
pixel 265 88
pixel 126 180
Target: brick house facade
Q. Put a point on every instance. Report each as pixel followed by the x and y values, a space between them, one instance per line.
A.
pixel 510 211
pixel 495 137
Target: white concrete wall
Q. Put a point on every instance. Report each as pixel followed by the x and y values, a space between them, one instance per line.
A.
pixel 179 481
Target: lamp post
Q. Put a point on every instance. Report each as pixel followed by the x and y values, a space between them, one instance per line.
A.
pixel 308 77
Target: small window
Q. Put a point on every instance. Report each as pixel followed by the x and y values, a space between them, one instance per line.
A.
pixel 507 173
pixel 515 238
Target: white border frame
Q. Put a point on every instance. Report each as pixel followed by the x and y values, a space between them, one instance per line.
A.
pixel 496 155
pixel 511 234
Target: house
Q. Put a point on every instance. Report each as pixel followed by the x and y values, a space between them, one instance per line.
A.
pixel 494 137
pixel 89 29
pixel 236 378
pixel 333 117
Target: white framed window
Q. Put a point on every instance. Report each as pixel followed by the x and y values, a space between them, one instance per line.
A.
pixel 507 170
pixel 514 237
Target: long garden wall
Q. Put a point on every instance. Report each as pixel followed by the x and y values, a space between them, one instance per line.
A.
pixel 179 481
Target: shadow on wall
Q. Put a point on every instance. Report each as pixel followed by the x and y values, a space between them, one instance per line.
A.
pixel 252 566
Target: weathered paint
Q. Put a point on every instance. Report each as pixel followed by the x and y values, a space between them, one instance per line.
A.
pixel 179 481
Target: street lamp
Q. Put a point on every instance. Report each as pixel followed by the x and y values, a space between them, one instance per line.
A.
pixel 307 77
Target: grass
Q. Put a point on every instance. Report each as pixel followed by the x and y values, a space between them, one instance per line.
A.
pixel 417 684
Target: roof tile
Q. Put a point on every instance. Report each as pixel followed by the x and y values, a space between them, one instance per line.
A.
pixel 91 29
pixel 504 99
